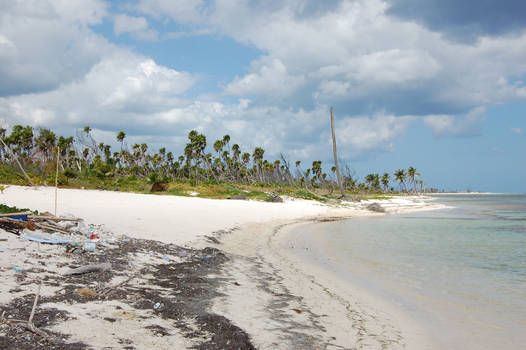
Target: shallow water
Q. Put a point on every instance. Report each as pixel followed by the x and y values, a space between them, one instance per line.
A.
pixel 459 272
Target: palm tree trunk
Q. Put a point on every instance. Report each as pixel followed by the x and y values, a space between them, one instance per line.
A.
pixel 340 183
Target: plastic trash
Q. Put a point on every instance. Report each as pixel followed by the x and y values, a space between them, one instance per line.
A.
pixel 43 238
pixel 19 217
pixel 157 305
pixel 90 247
pixel 93 236
pixel 165 258
pixel 18 268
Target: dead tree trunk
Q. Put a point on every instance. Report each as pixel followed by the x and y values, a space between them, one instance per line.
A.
pixel 340 183
pixel 16 159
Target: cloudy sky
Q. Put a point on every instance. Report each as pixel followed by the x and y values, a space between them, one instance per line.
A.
pixel 434 84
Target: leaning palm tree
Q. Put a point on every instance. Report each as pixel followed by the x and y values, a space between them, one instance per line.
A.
pixel 400 176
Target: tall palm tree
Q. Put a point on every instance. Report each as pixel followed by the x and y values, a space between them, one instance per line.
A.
pixel 400 176
pixel 385 181
pixel 412 174
pixel 120 138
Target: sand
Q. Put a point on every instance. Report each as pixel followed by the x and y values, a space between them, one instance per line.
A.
pixel 279 300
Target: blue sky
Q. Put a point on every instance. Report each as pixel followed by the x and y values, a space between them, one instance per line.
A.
pixel 434 84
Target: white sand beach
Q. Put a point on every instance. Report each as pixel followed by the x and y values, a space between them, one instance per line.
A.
pixel 279 300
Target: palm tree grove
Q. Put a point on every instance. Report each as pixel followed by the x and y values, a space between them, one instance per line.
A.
pixel 219 169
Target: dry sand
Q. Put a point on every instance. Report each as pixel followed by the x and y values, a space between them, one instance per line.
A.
pixel 282 302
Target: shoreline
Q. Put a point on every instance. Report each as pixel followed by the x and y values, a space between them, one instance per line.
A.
pixel 268 299
pixel 335 314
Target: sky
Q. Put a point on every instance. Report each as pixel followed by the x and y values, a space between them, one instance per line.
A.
pixel 433 84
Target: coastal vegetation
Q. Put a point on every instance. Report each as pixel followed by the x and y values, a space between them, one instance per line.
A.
pixel 221 169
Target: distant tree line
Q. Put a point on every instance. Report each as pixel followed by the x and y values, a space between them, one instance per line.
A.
pixel 39 151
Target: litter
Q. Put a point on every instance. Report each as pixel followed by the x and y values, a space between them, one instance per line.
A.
pixel 157 305
pixel 18 268
pixel 43 238
pixel 87 292
pixel 90 247
pixel 19 217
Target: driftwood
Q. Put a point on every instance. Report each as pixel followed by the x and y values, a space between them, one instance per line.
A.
pixel 17 223
pixel 89 268
pixel 52 227
pixel 29 325
pixel 52 218
pixel 16 214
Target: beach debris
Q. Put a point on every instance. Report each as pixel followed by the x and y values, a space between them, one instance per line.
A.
pixel 72 247
pixel 51 227
pixel 15 223
pixel 90 246
pixel 297 311
pixel 376 208
pixel 44 238
pixel 165 258
pixel 18 268
pixel 89 268
pixel 22 213
pixel 128 315
pixel 87 292
pixel 193 193
pixel 51 217
pixel 212 239
pixel 157 306
pixel 159 187
pixel 275 198
pixel 237 283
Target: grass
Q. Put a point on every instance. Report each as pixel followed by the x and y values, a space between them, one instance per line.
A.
pixel 132 183
pixel 5 209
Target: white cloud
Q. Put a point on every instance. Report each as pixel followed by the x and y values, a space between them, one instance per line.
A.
pixel 271 79
pixel 517 131
pixel 450 125
pixel 182 11
pixel 361 134
pixel 46 43
pixel 118 90
pixel 137 26
pixel 128 24
pixel 355 51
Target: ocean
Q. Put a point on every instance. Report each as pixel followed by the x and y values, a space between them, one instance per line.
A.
pixel 459 272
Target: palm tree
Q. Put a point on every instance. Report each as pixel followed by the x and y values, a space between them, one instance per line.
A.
pixel 120 138
pixel 385 181
pixel 412 174
pixel 400 176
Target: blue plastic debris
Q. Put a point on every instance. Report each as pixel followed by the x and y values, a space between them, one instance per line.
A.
pixel 165 258
pixel 18 268
pixel 157 305
pixel 19 217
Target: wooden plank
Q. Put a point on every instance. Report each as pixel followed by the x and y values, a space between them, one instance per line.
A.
pixel 16 214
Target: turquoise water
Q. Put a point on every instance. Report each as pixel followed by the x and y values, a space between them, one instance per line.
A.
pixel 460 272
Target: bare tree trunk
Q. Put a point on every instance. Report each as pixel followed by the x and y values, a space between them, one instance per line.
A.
pixel 16 159
pixel 336 155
